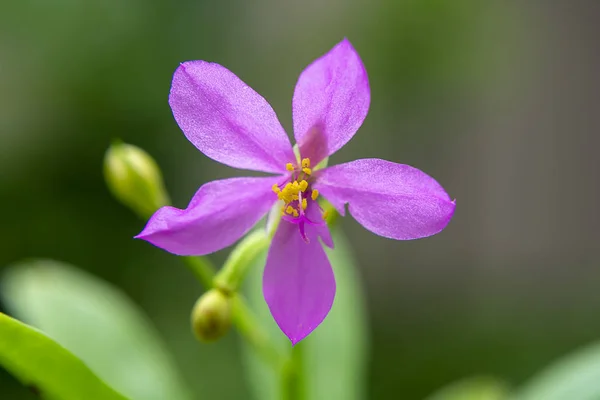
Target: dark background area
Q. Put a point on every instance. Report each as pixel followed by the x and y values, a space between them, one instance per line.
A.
pixel 498 100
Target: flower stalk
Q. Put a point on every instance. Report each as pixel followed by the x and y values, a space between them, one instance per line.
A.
pixel 202 268
pixel 293 386
pixel 231 276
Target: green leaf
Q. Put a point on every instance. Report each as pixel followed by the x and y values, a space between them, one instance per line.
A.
pixel 475 388
pixel 334 355
pixel 47 367
pixel 576 376
pixel 96 322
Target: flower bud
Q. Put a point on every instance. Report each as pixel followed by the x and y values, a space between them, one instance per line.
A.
pixel 134 179
pixel 211 316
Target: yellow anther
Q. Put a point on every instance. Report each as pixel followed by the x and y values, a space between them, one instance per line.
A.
pixel 325 214
pixel 303 185
pixel 289 210
pixel 295 213
pixel 295 197
pixel 296 186
pixel 289 166
pixel 286 193
pixel 276 188
pixel 306 163
pixel 314 194
pixel 304 204
pixel 307 171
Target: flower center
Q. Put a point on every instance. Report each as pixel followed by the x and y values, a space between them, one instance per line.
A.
pixel 297 195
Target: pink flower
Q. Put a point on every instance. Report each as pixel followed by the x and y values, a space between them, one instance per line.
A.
pixel 232 124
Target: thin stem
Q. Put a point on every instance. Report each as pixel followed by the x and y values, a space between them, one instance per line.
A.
pixel 293 385
pixel 232 274
pixel 202 268
pixel 248 327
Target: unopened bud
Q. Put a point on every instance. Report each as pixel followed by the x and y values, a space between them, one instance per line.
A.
pixel 211 316
pixel 134 179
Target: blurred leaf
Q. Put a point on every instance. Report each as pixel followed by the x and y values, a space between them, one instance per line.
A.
pixel 576 376
pixel 46 367
pixel 335 354
pixel 476 388
pixel 98 323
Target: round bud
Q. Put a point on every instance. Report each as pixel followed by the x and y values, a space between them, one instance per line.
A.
pixel 134 179
pixel 211 316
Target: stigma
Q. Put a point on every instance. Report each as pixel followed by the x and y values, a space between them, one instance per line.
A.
pixel 297 195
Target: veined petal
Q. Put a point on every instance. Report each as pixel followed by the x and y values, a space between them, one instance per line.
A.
pixel 298 282
pixel 331 101
pixel 227 120
pixel 218 215
pixel 392 200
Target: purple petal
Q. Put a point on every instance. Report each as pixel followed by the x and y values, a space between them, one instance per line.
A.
pixel 315 215
pixel 331 101
pixel 392 200
pixel 218 215
pixel 227 120
pixel 298 282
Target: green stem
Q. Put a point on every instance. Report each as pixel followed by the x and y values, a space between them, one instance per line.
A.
pixel 202 268
pixel 247 325
pixel 293 385
pixel 230 277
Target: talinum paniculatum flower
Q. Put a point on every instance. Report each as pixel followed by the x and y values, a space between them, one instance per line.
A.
pixel 232 124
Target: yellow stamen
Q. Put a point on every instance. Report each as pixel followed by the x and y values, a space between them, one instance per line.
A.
pixel 307 171
pixel 325 214
pixel 303 185
pixel 306 163
pixel 296 186
pixel 295 197
pixel 295 213
pixel 304 204
pixel 289 210
pixel 314 194
pixel 286 193
pixel 276 189
pixel 289 166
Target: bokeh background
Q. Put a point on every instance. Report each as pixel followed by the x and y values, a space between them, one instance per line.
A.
pixel 498 100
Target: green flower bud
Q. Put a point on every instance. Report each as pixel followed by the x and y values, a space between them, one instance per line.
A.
pixel 134 179
pixel 211 316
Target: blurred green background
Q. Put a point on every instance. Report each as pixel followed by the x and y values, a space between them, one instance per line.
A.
pixel 497 100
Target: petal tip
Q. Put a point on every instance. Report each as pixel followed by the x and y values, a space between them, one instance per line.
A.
pixel 346 43
pixel 299 336
pixel 142 235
